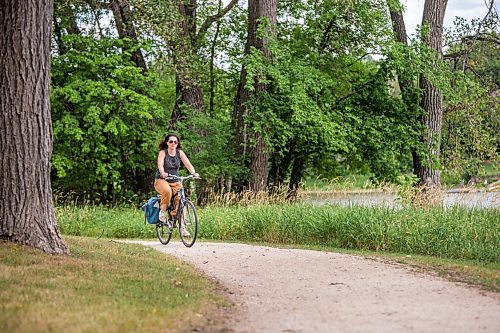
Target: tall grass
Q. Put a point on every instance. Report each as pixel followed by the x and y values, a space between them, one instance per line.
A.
pixel 452 233
pixel 350 183
pixel 99 220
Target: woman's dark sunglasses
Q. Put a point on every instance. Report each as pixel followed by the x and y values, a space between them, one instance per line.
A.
pixel 172 141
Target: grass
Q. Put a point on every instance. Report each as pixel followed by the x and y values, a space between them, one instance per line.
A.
pixel 101 287
pixel 350 183
pixel 457 238
pixel 489 171
pixel 455 233
pixel 98 220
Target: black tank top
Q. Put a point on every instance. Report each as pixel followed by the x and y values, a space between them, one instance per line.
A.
pixel 171 164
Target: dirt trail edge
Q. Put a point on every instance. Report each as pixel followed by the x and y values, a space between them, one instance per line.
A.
pixel 290 290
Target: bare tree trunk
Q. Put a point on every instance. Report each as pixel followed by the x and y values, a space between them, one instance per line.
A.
pixel 26 209
pixel 126 28
pixel 431 101
pixel 258 10
pixel 295 177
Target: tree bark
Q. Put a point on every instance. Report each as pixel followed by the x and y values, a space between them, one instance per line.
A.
pixel 64 20
pixel 212 64
pixel 405 79
pixel 189 91
pixel 257 150
pixel 126 29
pixel 184 49
pixel 295 177
pixel 26 209
pixel 431 101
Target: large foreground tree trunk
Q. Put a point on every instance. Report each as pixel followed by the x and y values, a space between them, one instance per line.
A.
pixel 26 208
pixel 254 143
pixel 431 101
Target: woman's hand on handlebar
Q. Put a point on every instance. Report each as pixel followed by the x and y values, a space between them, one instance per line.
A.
pixel 196 175
pixel 163 175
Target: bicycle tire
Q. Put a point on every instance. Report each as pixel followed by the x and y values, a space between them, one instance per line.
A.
pixel 163 232
pixel 188 212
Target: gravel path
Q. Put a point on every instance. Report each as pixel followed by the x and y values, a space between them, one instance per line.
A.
pixel 289 290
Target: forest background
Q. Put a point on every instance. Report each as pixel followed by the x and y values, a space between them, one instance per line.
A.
pixel 313 90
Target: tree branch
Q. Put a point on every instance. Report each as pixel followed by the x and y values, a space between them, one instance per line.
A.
pixel 466 56
pixel 211 19
pixel 482 38
pixel 453 55
pixel 475 73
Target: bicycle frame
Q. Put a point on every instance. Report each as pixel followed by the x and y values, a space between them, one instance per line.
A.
pixel 181 192
pixel 191 219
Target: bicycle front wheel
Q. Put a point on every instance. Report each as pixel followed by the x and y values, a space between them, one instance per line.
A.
pixel 188 223
pixel 164 232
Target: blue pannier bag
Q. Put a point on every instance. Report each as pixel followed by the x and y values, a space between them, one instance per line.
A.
pixel 152 210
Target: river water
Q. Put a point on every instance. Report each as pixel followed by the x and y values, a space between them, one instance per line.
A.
pixel 450 199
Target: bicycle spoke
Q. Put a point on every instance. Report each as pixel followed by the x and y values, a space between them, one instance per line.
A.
pixel 163 232
pixel 188 226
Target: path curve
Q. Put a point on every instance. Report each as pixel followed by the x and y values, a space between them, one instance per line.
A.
pixel 292 290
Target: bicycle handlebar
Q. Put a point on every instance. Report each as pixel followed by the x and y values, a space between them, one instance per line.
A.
pixel 180 178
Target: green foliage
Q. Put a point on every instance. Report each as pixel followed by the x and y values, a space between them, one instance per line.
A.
pixel 95 221
pixel 105 120
pixel 325 100
pixel 470 129
pixel 207 141
pixel 332 109
pixel 385 130
pixel 471 120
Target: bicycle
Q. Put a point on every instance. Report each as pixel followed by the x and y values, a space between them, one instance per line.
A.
pixel 186 219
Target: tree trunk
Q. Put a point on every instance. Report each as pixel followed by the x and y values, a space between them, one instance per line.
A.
pixel 64 20
pixel 431 101
pixel 406 85
pixel 212 63
pixel 258 151
pixel 295 177
pixel 405 79
pixel 184 49
pixel 189 91
pixel 126 28
pixel 26 209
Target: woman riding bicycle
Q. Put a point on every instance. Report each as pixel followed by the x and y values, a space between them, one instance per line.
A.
pixel 169 161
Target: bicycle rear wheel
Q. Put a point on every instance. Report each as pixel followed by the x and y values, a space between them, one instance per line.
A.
pixel 188 223
pixel 164 232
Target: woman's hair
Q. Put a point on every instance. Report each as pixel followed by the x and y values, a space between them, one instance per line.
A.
pixel 164 144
